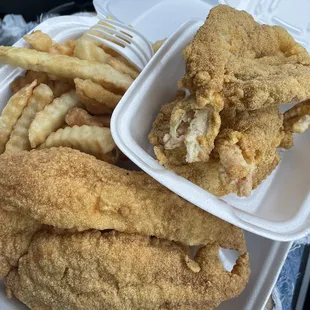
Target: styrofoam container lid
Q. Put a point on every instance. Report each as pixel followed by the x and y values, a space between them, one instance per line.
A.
pixel 158 19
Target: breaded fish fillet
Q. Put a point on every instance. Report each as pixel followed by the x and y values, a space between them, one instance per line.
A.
pixel 111 270
pixel 68 189
pixel 236 62
pixel 16 232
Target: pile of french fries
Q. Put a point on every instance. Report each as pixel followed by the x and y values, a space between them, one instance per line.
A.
pixel 66 96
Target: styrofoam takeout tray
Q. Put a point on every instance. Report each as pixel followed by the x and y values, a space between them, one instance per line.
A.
pixel 278 209
pixel 266 256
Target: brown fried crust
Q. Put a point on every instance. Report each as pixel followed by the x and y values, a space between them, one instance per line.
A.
pixel 234 60
pixel 69 189
pixel 16 232
pixel 111 270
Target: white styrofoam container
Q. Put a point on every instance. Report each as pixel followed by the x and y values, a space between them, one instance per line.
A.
pixel 279 208
pixel 266 256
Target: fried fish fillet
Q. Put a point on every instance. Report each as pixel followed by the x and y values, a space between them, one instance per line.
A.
pixel 68 189
pixel 111 270
pixel 236 62
pixel 244 155
pixel 16 232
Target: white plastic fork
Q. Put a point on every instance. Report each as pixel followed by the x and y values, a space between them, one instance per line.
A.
pixel 125 40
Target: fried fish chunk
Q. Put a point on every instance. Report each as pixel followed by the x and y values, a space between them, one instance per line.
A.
pixel 246 140
pixel 236 62
pixel 208 176
pixel 112 270
pixel 189 136
pixel 296 120
pixel 244 154
pixel 69 189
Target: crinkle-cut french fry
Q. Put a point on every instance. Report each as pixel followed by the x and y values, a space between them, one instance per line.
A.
pixel 92 105
pixel 39 41
pixel 66 48
pixel 80 117
pixel 157 45
pixel 65 66
pixel 96 141
pixel 51 118
pixel 88 50
pixel 19 140
pixel 60 87
pixel 96 99
pixel 12 111
pixel 28 78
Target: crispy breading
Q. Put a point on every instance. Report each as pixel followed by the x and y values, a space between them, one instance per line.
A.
pixel 160 128
pixel 69 189
pixel 111 270
pixel 16 232
pixel 207 175
pixel 245 141
pixel 296 120
pixel 187 134
pixel 233 60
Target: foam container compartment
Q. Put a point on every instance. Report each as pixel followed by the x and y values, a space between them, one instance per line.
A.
pixel 266 256
pixel 278 209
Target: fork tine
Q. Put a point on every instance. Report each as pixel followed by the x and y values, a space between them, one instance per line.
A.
pixel 113 31
pixel 130 30
pixel 117 48
pixel 148 53
pixel 124 40
pixel 112 39
pixel 114 36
